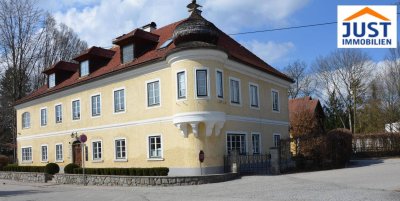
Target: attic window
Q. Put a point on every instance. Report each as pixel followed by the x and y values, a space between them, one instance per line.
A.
pixel 52 80
pixel 127 53
pixel 166 43
pixel 84 68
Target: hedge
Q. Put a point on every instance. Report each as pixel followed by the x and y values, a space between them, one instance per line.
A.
pixel 52 168
pixel 15 168
pixel 161 171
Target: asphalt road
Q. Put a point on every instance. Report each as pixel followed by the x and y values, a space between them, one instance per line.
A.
pixel 365 180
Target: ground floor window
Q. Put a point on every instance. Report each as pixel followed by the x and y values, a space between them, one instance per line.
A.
pixel 155 147
pixel 44 153
pixel 96 150
pixel 59 152
pixel 277 140
pixel 27 154
pixel 255 138
pixel 236 142
pixel 120 152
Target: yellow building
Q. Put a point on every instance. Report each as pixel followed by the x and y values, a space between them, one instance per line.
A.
pixel 155 99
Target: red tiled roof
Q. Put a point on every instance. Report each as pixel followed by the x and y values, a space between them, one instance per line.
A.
pixel 233 48
pixel 62 65
pixel 303 104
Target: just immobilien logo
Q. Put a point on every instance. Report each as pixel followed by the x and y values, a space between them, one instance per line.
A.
pixel 367 26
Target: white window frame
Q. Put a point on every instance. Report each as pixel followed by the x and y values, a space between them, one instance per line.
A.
pixel 72 109
pixel 41 117
pixel 208 83
pixel 101 150
pixel 55 113
pixel 113 100
pixel 91 105
pixel 26 120
pixel 22 154
pixel 177 86
pixel 236 133
pixel 147 93
pixel 258 95
pixel 273 140
pixel 115 150
pixel 62 153
pixel 148 147
pixel 272 98
pixel 47 153
pixel 259 142
pixel 80 68
pixel 52 80
pixel 230 91
pixel 222 84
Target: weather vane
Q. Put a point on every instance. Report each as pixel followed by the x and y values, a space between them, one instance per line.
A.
pixel 194 7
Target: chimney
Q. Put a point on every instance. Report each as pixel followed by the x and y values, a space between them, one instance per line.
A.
pixel 150 27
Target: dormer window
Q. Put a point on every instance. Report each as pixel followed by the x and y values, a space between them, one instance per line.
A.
pixel 127 53
pixel 84 68
pixel 52 80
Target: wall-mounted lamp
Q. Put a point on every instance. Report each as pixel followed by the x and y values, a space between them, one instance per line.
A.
pixel 74 135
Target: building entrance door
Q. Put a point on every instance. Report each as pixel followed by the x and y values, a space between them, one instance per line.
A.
pixel 77 153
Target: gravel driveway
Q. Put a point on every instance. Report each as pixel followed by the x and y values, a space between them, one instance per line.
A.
pixel 364 180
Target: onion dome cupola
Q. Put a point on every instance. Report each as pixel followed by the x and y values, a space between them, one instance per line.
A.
pixel 195 29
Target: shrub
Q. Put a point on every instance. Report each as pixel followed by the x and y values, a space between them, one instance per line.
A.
pixel 3 161
pixel 69 169
pixel 16 168
pixel 52 168
pixel 339 146
pixel 162 171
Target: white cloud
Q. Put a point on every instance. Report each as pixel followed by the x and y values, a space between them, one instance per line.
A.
pixel 99 21
pixel 270 51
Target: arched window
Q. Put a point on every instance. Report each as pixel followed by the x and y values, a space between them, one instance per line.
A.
pixel 26 120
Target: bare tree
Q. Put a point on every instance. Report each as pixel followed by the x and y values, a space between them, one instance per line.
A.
pixel 59 42
pixel 390 86
pixel 347 72
pixel 303 85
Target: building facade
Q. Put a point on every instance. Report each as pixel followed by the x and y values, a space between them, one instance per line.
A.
pixel 156 99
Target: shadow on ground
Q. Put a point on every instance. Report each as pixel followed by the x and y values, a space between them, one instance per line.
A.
pixel 364 162
pixel 16 193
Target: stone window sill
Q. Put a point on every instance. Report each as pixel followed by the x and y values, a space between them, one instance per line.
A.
pixel 121 160
pixel 97 161
pixel 155 159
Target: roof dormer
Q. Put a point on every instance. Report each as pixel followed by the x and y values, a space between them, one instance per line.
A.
pixel 59 72
pixel 136 43
pixel 92 59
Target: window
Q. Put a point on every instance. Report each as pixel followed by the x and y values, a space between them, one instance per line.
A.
pixel 76 110
pixel 96 105
pixel 44 153
pixel 181 85
pixel 96 150
pixel 153 93
pixel 127 53
pixel 52 80
pixel 155 147
pixel 119 100
pixel 255 138
pixel 166 43
pixel 58 111
pixel 220 84
pixel 236 142
pixel 277 140
pixel 26 120
pixel 235 90
pixel 201 83
pixel 254 96
pixel 84 68
pixel 27 154
pixel 120 152
pixel 275 101
pixel 59 152
pixel 43 117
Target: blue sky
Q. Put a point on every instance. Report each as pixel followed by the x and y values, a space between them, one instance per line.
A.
pixel 99 21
